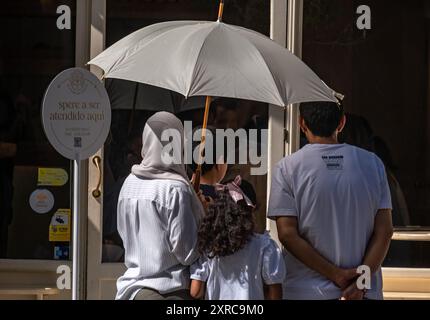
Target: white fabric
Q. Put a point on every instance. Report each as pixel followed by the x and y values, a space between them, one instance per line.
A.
pixel 152 165
pixel 159 233
pixel 198 58
pixel 335 192
pixel 240 276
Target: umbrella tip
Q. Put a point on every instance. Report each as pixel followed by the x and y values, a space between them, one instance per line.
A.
pixel 339 96
pixel 220 10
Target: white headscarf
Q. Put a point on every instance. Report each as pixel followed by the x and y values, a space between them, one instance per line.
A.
pixel 153 166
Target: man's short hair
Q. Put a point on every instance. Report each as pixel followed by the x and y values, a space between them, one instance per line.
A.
pixel 322 118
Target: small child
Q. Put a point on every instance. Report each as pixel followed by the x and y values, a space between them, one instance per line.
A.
pixel 236 263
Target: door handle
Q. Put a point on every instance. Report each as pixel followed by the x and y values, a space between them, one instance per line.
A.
pixel 97 162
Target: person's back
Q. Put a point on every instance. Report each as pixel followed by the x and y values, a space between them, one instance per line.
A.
pixel 338 190
pixel 154 258
pixel 236 263
pixel 332 206
pixel 158 214
pixel 242 275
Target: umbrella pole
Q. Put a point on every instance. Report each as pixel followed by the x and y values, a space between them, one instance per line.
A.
pixel 131 119
pixel 197 174
pixel 220 10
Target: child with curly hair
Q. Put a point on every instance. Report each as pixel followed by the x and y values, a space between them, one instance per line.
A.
pixel 236 263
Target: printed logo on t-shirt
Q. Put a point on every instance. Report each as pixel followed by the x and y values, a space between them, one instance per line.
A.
pixel 333 162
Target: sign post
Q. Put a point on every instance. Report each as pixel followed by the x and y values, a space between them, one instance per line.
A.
pixel 76 257
pixel 76 117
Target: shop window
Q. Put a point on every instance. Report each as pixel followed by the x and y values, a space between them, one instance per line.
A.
pixel 34 178
pixel 123 147
pixel 384 74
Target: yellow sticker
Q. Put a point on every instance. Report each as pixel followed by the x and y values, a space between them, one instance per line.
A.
pixel 55 177
pixel 59 228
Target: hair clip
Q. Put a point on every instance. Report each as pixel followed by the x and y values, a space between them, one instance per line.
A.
pixel 339 97
pixel 236 193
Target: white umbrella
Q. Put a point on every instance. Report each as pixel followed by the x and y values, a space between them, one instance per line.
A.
pixel 203 58
pixel 198 58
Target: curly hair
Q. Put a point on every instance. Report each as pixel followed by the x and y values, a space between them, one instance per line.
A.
pixel 226 228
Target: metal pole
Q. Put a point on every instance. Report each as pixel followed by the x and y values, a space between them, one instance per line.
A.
pixel 276 125
pixel 76 290
pixel 294 44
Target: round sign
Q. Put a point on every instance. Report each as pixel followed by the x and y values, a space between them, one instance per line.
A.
pixel 76 113
pixel 41 201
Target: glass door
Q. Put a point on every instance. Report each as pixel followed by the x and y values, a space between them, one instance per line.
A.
pixel 111 166
pixel 378 57
pixel 35 180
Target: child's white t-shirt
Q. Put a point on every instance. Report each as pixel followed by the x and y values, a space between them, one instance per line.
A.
pixel 240 276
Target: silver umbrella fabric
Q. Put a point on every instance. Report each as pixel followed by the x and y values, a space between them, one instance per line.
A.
pixel 196 58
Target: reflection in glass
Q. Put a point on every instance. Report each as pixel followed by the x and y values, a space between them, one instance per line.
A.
pixel 32 51
pixel 384 74
pixel 132 104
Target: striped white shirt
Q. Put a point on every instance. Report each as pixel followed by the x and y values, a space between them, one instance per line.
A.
pixel 159 232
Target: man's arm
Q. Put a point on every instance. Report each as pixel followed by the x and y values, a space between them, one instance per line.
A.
pixel 376 251
pixel 289 236
pixel 379 243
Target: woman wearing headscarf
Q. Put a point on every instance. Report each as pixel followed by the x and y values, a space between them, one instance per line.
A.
pixel 158 217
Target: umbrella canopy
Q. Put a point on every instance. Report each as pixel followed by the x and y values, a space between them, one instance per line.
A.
pixel 196 58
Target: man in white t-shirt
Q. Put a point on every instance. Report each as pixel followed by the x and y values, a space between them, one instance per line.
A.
pixel 332 207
